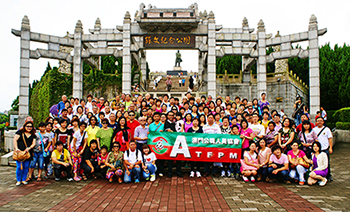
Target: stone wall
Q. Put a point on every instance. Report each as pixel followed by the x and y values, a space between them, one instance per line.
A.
pixel 288 90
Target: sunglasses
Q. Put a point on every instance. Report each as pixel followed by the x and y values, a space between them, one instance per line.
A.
pixel 134 100
pixel 29 126
pixel 104 123
pixel 116 146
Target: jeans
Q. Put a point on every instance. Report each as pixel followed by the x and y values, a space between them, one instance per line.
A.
pixel 62 168
pixel 151 171
pixel 170 167
pixel 37 158
pixel 135 171
pixel 329 165
pixel 47 161
pixel 263 171
pixel 207 168
pixel 281 174
pixel 235 168
pixel 298 173
pixel 22 170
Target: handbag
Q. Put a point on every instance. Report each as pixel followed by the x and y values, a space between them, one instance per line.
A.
pixel 300 161
pixel 58 166
pixel 21 156
pixel 244 166
pixel 45 154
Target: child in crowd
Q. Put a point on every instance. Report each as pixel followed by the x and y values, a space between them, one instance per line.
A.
pixel 149 163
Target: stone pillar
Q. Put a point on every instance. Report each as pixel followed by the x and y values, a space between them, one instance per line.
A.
pixel 77 61
pixel 200 68
pixel 261 62
pixel 143 67
pixel 24 72
pixel 314 67
pixel 126 86
pixel 245 72
pixel 211 56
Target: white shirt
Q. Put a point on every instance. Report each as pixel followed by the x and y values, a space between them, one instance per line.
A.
pixel 148 159
pixel 258 129
pixel 79 138
pixel 88 106
pixel 132 156
pixel 323 137
pixel 213 129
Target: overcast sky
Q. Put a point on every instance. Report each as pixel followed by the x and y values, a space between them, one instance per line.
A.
pixel 58 17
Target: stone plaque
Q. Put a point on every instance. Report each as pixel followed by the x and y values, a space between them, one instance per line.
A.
pixel 169 41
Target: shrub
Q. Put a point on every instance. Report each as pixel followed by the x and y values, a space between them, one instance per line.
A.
pixel 343 125
pixel 342 115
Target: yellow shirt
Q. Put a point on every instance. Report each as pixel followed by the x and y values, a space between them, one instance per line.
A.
pixel 91 133
pixel 265 124
pixel 57 155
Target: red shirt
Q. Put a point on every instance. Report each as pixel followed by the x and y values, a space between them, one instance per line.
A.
pixel 299 127
pixel 132 127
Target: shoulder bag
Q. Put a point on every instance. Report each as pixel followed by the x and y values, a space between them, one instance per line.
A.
pixel 21 155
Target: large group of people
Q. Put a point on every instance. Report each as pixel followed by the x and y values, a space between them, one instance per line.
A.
pixel 96 138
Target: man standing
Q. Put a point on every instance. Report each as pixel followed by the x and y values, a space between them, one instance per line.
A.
pixel 324 136
pixel 100 105
pixel 157 126
pixel 132 163
pixel 60 105
pixel 141 133
pixel 211 128
pixel 258 129
pixel 88 105
pixel 169 126
pixel 127 101
pixel 132 123
pixel 168 84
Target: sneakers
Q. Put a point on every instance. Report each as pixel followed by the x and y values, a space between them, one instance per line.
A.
pixel 232 175
pixel 18 183
pixel 69 179
pixel 252 179
pixel 301 183
pixel 323 183
pixel 137 181
pixel 57 179
pixel 192 174
pixel 153 177
pixel 160 174
pixel 76 179
pixel 147 179
pixel 24 182
pixel 198 174
pixel 228 173
pixel 237 176
pixel 245 178
pixel 223 173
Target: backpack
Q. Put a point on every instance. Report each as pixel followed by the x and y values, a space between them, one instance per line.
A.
pixel 137 153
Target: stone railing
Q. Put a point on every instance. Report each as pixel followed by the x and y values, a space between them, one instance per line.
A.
pixel 229 78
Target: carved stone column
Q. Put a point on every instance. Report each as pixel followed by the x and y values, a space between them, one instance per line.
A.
pixel 261 62
pixel 24 72
pixel 143 67
pixel 126 87
pixel 245 71
pixel 77 61
pixel 314 67
pixel 211 56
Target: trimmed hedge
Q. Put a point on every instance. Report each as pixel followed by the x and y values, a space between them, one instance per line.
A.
pixel 342 115
pixel 343 125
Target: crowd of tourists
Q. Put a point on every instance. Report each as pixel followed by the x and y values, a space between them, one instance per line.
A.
pixel 93 138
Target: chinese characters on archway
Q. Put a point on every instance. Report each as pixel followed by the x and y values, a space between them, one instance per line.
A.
pixel 169 41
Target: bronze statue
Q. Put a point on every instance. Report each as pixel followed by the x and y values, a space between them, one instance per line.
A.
pixel 178 59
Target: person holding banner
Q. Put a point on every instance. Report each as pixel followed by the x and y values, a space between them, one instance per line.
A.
pixel 225 129
pixel 195 129
pixel 170 127
pixel 211 128
pixel 157 126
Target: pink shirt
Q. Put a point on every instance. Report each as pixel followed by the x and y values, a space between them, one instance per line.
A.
pixel 283 159
pixel 263 155
pixel 301 154
pixel 246 132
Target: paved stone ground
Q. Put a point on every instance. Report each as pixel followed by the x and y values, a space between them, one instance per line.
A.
pixel 179 194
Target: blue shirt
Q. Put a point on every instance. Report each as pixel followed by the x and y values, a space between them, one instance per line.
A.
pixel 60 107
pixel 157 128
pixel 141 133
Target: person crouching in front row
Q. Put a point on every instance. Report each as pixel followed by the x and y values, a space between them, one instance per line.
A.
pixel 132 163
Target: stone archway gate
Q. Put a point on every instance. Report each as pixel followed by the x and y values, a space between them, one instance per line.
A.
pixel 154 28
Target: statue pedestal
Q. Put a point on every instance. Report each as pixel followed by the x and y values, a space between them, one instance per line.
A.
pixel 177 68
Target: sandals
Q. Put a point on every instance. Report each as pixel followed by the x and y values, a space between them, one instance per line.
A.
pixel 39 179
pixel 120 180
pixel 84 178
pixel 28 179
pixel 94 176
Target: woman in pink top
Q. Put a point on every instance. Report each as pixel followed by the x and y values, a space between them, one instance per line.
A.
pixel 246 134
pixel 159 107
pixel 263 158
pixel 188 122
pixel 297 171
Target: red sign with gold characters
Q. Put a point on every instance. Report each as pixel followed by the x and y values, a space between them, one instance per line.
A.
pixel 169 41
